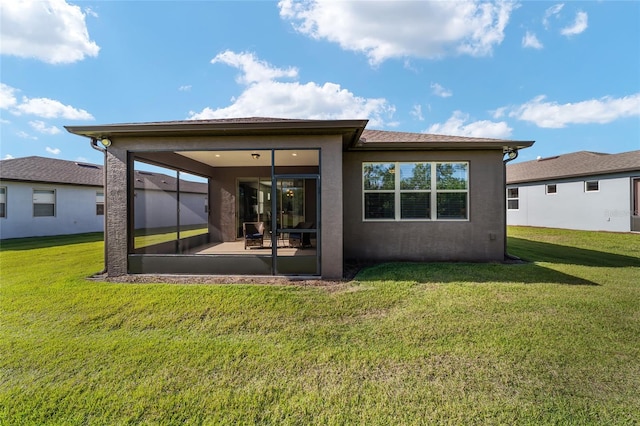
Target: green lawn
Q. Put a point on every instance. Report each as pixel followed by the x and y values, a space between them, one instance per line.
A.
pixel 553 341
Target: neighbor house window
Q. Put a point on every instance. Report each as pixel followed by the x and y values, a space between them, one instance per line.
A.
pixel 592 186
pixel 513 199
pixel 3 201
pixel 551 189
pixel 415 191
pixel 99 203
pixel 44 202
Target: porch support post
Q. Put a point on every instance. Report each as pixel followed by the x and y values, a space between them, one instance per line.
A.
pixel 331 216
pixel 116 226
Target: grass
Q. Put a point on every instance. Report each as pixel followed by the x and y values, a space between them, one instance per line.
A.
pixel 553 341
pixel 148 237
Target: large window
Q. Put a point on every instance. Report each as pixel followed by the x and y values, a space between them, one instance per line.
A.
pixel 513 199
pixel 3 201
pixel 415 191
pixel 44 202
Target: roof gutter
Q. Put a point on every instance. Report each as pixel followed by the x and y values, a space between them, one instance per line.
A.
pixel 94 145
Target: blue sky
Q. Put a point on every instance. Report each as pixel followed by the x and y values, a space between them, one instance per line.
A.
pixel 565 74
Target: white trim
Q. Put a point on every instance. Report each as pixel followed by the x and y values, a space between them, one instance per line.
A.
pixel 586 186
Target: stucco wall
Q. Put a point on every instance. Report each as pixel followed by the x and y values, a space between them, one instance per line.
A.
pixel 481 238
pixel 75 211
pixel 571 207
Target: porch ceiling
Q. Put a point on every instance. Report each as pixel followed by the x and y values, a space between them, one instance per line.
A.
pixel 244 158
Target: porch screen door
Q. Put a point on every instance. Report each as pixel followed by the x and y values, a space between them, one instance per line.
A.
pixel 296 242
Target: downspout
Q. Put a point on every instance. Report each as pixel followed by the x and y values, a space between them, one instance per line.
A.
pixel 512 154
pixel 94 145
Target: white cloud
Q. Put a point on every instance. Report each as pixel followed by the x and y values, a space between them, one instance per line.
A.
pixel 530 40
pixel 90 12
pixel 24 135
pixel 263 96
pixel 417 112
pixel 552 11
pixel 8 157
pixel 185 88
pixel 52 31
pixel 7 96
pixel 82 160
pixel 253 69
pixel 578 26
pixel 457 125
pixel 41 127
pixel 3 121
pixel 438 90
pixel 554 115
pixel 383 30
pixel 50 108
pixel 54 151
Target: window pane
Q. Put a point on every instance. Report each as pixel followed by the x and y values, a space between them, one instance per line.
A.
pixel 415 176
pixel 452 205
pixel 3 210
pixel 451 176
pixel 415 205
pixel 41 210
pixel 513 204
pixel 379 206
pixel 379 176
pixel 512 193
pixel 551 189
pixel 592 185
pixel 99 209
pixel 44 196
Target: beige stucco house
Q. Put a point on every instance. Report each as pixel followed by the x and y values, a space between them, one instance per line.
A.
pixel 321 191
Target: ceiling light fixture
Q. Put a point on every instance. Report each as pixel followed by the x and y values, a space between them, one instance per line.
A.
pixel 255 156
pixel 106 142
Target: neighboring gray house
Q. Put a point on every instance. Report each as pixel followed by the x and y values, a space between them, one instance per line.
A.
pixel 322 192
pixel 582 190
pixel 45 196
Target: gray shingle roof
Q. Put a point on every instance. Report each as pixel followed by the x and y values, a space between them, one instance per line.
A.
pixel 373 136
pixel 41 169
pixel 54 171
pixel 582 163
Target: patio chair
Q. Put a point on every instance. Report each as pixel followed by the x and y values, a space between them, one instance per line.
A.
pixel 301 239
pixel 253 234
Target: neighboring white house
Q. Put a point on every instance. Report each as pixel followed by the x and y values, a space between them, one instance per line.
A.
pixel 582 190
pixel 45 196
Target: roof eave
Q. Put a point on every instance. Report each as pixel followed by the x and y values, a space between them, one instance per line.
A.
pixel 349 129
pixel 441 145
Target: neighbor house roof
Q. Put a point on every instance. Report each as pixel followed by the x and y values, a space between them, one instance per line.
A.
pixel 582 163
pixel 54 171
pixel 354 135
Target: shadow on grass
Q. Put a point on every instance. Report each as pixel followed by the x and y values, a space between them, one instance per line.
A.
pixel 536 251
pixel 527 273
pixel 32 243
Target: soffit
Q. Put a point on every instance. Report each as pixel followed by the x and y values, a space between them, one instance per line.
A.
pixel 244 158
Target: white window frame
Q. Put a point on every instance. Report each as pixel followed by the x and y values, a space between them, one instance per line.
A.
pixel 3 200
pixel 433 192
pixel 99 202
pixel 516 198
pixel 42 190
pixel 586 186
pixel 555 187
